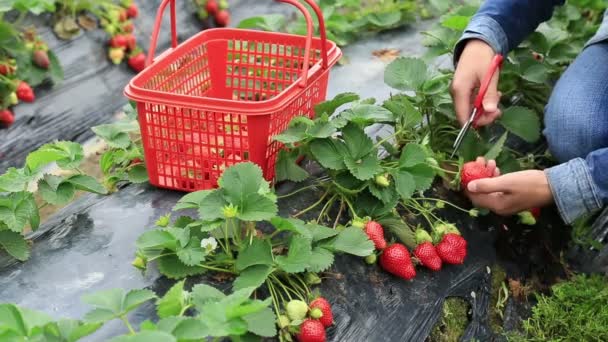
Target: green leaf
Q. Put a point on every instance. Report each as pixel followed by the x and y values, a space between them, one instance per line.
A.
pixel 405 184
pixel 537 73
pixel 211 208
pixel 404 111
pixel 364 114
pixel 329 153
pixel 193 254
pixel 135 298
pixel 329 107
pixel 412 154
pixel 192 200
pixel 253 277
pixel 456 22
pixel 257 207
pixel 12 320
pixel 321 129
pixel 67 155
pixel 14 180
pixel 496 149
pixel 107 305
pixel 259 252
pixel 87 183
pixel 522 122
pixel 54 191
pixel 116 135
pixel 156 239
pixel 363 168
pixel 146 336
pixel 72 330
pixel 55 69
pixel 357 142
pixel 320 232
pixel 423 176
pixel 241 185
pixel 320 260
pixel 406 73
pixel 203 294
pixel 293 225
pixel 17 210
pixel 297 258
pixel 385 194
pixel 14 244
pixel 172 268
pixel 191 329
pixel 173 302
pixel 294 134
pixel 288 169
pixel 138 174
pixel 353 241
pixel 268 22
pixel 262 323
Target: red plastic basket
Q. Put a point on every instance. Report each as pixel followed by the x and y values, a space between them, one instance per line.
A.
pixel 218 98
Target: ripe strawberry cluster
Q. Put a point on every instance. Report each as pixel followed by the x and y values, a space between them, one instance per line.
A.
pixel 449 247
pixel 216 10
pixel 123 43
pixel 307 321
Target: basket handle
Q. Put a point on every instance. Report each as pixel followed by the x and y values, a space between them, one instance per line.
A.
pixel 296 3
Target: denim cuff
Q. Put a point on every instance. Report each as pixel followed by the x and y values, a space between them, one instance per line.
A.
pixel 484 28
pixel 574 191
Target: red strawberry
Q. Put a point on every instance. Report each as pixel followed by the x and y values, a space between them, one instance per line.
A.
pixel 25 93
pixel 452 249
pixel 396 260
pixel 6 69
pixel 222 18
pixel 212 7
pixel 41 59
pixel 137 62
pixel 128 27
pixel 427 254
pixel 375 232
pixel 535 212
pixel 472 171
pixel 131 41
pixel 123 16
pixel 132 11
pixel 311 331
pixel 119 41
pixel 322 304
pixel 6 118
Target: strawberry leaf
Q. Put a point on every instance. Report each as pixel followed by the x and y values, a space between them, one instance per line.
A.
pixel 353 241
pixel 294 134
pixel 15 245
pixel 288 169
pixel 406 73
pixel 173 302
pixel 203 294
pixel 385 194
pixel 191 255
pixel 412 154
pixel 496 149
pixel 405 184
pixel 403 110
pixel 138 174
pixel 329 153
pixel 262 323
pixel 297 258
pixel 87 183
pixel 116 135
pixel 268 22
pixel 253 277
pixel 146 336
pixel 365 114
pixel 329 107
pixel 14 180
pixel 364 168
pixel 259 252
pixel 522 122
pixel 157 239
pixel 54 191
pixel 357 142
pixel 320 260
pixel 172 268
pixel 67 155
pixel 456 22
pixel 423 176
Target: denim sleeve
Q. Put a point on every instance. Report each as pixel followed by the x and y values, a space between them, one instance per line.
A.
pixel 580 186
pixel 504 24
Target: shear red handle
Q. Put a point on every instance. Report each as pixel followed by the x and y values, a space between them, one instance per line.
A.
pixel 485 84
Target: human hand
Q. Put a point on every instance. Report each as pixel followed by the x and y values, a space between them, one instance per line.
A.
pixel 511 193
pixel 473 65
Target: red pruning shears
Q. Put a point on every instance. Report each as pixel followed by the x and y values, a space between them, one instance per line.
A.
pixel 478 105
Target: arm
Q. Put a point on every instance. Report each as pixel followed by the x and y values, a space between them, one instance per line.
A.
pixel 504 24
pixel 580 186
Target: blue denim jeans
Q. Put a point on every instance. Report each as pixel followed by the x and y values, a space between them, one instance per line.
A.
pixel 576 121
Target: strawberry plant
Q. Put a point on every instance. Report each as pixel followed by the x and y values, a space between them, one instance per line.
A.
pixel 226 238
pixel 19 211
pixel 123 161
pixel 217 315
pixel 215 10
pixel 346 20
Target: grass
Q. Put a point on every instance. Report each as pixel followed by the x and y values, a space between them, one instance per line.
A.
pixel 575 310
pixel 500 294
pixel 453 322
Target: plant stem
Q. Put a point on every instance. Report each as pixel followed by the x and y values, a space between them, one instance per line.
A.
pixel 379 143
pixel 442 201
pixel 184 309
pixel 217 269
pixel 126 321
pixel 314 205
pixel 339 213
pixel 298 191
pixel 274 297
pixel 228 249
pixel 326 206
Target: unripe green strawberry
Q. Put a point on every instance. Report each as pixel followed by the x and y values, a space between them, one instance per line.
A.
pixel 527 218
pixel 13 99
pixel 296 310
pixel 230 211
pixel 382 180
pixel 316 313
pixel 371 259
pixel 359 222
pixel 327 317
pixel 312 279
pixel 422 236
pixel 283 321
pixel 139 263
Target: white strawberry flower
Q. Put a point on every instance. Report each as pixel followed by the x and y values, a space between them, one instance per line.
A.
pixel 209 244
